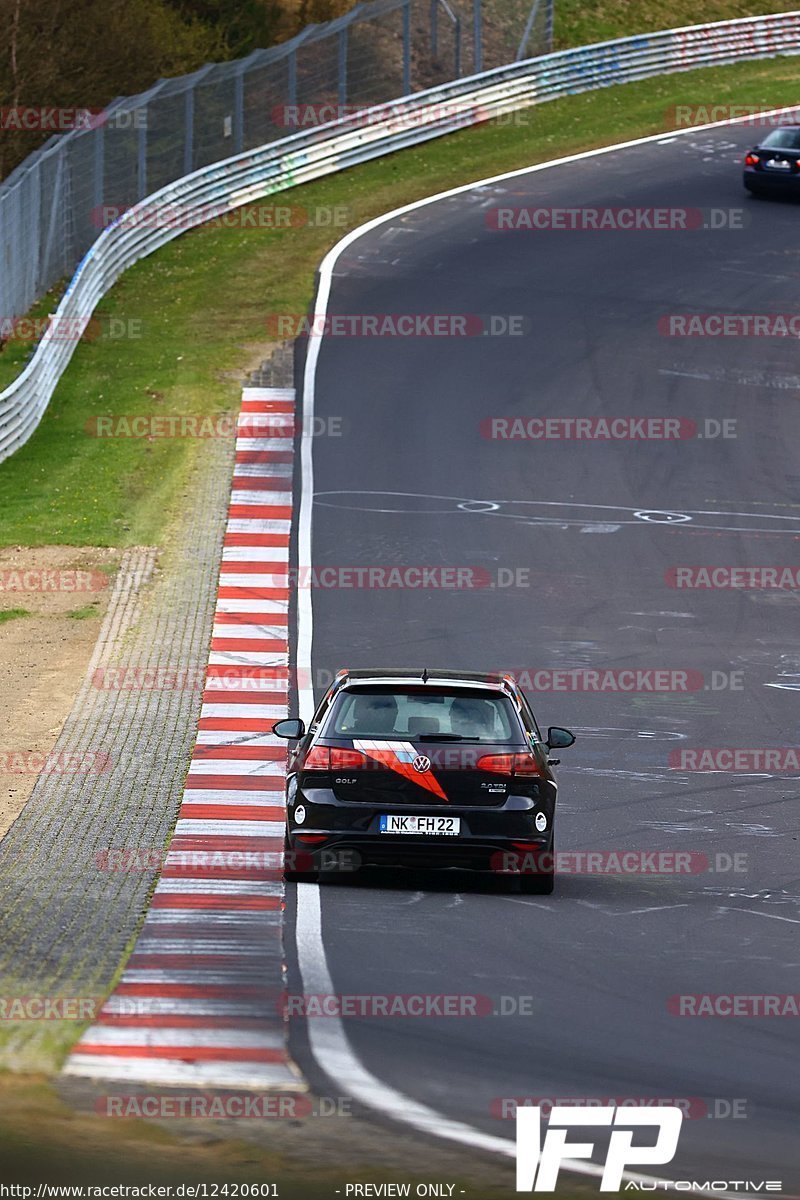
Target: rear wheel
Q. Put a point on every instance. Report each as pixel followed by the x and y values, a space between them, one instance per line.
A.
pixel 298 867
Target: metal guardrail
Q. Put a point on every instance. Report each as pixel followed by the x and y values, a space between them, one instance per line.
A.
pixel 309 155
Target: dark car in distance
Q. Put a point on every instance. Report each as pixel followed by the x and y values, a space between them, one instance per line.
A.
pixel 422 769
pixel 773 166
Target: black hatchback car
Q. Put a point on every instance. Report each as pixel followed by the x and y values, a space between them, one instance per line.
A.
pixel 773 166
pixel 430 769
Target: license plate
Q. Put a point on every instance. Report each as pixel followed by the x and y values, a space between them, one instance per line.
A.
pixel 396 823
pixel 779 164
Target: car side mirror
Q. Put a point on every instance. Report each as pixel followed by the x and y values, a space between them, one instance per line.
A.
pixel 290 729
pixel 558 738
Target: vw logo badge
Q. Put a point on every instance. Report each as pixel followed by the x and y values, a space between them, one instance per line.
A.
pixel 421 764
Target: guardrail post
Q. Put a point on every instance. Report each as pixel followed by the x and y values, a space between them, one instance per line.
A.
pixel 188 134
pixel 343 67
pixel 407 47
pixel 141 166
pixel 477 34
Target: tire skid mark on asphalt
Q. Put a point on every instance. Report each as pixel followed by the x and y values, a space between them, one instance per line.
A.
pixel 213 932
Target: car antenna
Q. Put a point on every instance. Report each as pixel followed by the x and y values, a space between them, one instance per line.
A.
pixel 424 674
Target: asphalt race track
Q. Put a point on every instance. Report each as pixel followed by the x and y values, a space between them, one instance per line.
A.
pixel 597 526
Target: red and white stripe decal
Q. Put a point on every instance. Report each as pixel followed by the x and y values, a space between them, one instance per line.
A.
pixel 400 757
pixel 199 1001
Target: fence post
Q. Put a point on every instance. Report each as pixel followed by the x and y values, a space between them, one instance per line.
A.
pixel 238 112
pixel 99 172
pixel 141 166
pixel 57 206
pixel 477 34
pixel 342 68
pixel 188 137
pixel 523 45
pixel 407 47
pixel 291 83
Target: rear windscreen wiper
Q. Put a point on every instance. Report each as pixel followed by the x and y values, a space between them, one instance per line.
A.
pixel 441 737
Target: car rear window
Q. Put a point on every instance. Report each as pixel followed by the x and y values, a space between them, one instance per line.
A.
pixel 786 139
pixel 473 715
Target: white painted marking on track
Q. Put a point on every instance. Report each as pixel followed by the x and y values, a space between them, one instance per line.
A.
pixel 754 912
pixel 238 766
pixel 166 1071
pixel 212 886
pixel 122 1035
pixel 230 828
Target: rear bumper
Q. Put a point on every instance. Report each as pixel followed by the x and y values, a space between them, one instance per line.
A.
pixel 487 840
pixel 764 181
pixel 342 855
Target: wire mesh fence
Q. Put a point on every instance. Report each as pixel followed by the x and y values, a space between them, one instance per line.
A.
pixel 54 205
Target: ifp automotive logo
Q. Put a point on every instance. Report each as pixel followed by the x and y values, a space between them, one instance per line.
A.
pixel 539 1161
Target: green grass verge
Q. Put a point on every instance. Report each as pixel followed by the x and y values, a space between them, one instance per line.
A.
pixel 201 305
pixel 12 614
pixel 85 613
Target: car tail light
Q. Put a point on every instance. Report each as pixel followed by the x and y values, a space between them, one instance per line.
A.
pixel 509 764
pixel 318 759
pixel 311 839
pixel 751 160
pixel 333 758
pixel 345 760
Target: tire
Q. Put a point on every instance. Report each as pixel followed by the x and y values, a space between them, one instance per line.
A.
pixel 543 882
pixel 292 876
